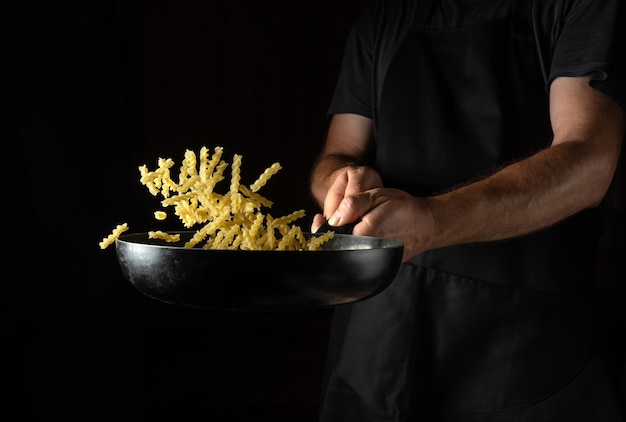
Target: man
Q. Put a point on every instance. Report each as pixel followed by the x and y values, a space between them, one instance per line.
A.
pixel 482 134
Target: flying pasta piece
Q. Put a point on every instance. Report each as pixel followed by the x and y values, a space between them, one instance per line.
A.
pixel 229 220
pixel 117 231
pixel 263 178
pixel 163 236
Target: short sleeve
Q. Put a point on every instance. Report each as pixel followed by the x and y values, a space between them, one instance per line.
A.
pixel 614 84
pixel 586 38
pixel 353 92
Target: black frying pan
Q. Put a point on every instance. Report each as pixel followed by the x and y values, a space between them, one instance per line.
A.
pixel 348 269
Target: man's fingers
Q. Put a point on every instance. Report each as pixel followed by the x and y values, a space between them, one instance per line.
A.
pixel 318 220
pixel 356 206
pixel 335 195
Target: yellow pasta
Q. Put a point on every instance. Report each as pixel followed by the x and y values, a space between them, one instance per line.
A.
pixel 235 197
pixel 292 239
pixel 316 242
pixel 107 241
pixel 251 237
pixel 228 220
pixel 263 178
pixel 164 236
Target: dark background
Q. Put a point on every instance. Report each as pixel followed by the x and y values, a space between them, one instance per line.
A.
pixel 93 89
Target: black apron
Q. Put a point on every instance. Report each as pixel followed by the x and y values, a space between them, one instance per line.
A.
pixel 481 332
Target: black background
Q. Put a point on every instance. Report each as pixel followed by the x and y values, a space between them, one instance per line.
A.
pixel 93 89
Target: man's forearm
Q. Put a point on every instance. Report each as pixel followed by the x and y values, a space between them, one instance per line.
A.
pixel 523 197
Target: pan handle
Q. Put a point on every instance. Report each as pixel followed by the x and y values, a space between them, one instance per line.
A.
pixel 345 229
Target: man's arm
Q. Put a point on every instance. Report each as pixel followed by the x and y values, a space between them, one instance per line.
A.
pixel 571 175
pixel 574 173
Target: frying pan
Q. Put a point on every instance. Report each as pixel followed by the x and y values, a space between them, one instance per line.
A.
pixel 348 269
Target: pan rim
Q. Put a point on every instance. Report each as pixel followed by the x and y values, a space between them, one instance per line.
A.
pixel 370 242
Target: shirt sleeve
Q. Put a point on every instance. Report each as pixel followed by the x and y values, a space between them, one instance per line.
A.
pixel 586 38
pixel 614 83
pixel 353 92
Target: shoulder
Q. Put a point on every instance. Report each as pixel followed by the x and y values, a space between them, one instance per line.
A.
pixel 584 37
pixel 555 12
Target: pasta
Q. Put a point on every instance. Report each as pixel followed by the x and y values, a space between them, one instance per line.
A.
pixel 121 228
pixel 230 220
pixel 163 236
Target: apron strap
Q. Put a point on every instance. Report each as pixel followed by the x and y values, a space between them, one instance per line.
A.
pixel 419 21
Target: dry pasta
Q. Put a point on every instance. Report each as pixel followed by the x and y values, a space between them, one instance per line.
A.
pixel 117 231
pixel 230 220
pixel 163 236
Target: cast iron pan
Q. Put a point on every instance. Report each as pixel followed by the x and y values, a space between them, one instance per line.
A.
pixel 349 269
